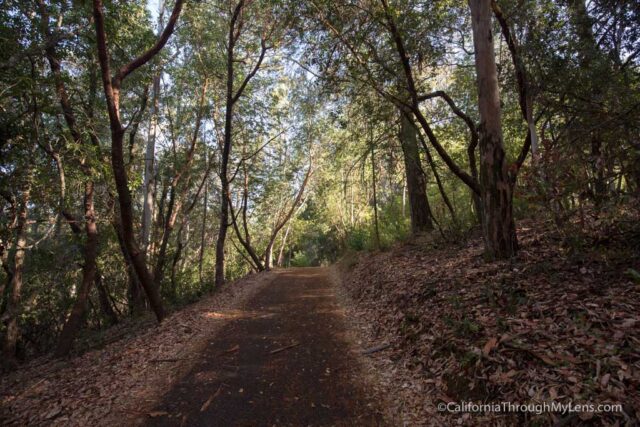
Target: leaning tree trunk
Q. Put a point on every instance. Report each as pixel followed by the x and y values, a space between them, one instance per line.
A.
pixel 297 203
pixel 135 293
pixel 268 256
pixel 280 260
pixel 416 182
pixel 496 192
pixel 104 299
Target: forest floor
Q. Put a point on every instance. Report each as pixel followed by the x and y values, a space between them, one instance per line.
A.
pixel 388 338
pixel 558 323
pixel 119 382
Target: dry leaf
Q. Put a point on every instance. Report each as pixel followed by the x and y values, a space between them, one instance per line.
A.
pixel 490 345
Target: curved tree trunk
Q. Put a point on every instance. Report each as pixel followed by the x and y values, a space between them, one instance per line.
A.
pixel 235 31
pixel 112 84
pixel 203 233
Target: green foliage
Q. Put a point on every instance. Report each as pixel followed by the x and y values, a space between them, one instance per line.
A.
pixel 300 259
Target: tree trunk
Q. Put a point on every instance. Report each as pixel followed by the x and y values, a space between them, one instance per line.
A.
pixel 235 31
pixel 112 84
pixel 203 233
pixel 280 260
pixel 13 304
pixel 268 256
pixel 436 175
pixel 416 180
pixel 174 263
pixel 149 168
pixel 169 223
pixel 105 302
pixel 224 161
pixel 135 295
pixel 136 256
pixel 375 198
pixel 74 322
pixel 295 206
pixel 496 191
pixel 591 58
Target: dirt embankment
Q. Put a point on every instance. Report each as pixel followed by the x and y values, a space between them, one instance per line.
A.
pixel 556 324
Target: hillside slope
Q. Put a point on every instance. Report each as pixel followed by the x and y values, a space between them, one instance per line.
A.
pixel 557 324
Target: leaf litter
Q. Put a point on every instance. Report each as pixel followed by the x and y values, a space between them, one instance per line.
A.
pixel 120 383
pixel 555 324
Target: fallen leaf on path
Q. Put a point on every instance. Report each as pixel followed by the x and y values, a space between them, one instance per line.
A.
pixel 232 349
pixel 490 345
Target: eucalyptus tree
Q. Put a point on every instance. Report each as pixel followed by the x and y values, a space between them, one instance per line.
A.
pixel 497 194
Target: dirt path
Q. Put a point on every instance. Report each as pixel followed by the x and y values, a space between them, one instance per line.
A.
pixel 286 362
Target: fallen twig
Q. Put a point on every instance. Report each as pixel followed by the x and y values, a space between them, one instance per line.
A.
pixel 171 360
pixel 278 350
pixel 206 404
pixel 376 349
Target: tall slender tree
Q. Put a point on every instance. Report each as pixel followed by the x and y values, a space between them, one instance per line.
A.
pixel 497 193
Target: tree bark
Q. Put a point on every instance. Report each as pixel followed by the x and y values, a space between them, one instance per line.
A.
pixel 13 305
pixel 226 151
pixel 7 247
pixel 76 317
pixel 135 293
pixel 524 89
pixel 497 197
pixel 175 199
pixel 375 198
pixel 203 233
pixel 415 178
pixel 149 168
pixel 436 175
pixel 105 300
pixel 246 240
pixel 90 250
pixel 280 260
